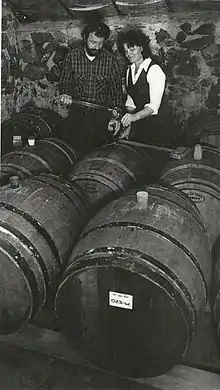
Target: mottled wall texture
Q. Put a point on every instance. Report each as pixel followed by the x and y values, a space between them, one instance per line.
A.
pixel 188 46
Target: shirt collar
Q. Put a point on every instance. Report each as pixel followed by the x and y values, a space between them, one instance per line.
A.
pixel 144 65
pixel 91 58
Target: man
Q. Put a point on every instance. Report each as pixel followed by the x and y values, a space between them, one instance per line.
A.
pixel 90 74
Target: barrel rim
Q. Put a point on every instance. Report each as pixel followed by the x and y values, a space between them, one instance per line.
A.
pixel 207 186
pixel 123 252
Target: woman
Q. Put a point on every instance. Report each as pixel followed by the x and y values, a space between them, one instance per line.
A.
pixel 147 115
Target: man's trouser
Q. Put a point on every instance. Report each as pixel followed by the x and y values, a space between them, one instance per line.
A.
pixel 86 128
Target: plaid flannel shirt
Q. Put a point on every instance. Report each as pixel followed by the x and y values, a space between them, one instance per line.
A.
pixel 98 81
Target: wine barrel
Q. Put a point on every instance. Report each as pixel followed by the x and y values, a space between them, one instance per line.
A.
pixel 205 129
pixel 87 5
pixel 49 155
pixel 50 117
pixel 40 220
pixel 25 124
pixel 200 180
pixel 137 2
pixel 135 283
pixel 215 294
pixel 108 171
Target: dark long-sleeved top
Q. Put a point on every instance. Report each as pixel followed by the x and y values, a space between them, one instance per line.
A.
pixel 97 81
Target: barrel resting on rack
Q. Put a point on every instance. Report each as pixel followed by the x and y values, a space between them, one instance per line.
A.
pixel 49 155
pixel 110 170
pixel 40 221
pixel 199 177
pixel 39 123
pixel 136 282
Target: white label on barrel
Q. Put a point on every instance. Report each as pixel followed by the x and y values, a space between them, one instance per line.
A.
pixel 17 141
pixel 124 301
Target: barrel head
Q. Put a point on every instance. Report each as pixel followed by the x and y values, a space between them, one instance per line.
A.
pixel 122 321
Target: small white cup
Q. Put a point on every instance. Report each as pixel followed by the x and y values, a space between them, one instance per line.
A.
pixel 31 141
pixel 197 152
pixel 142 198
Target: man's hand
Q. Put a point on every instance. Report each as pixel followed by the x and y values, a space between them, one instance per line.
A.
pixel 66 99
pixel 114 126
pixel 127 120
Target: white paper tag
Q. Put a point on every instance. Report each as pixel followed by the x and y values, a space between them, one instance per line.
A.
pixel 124 301
pixel 17 141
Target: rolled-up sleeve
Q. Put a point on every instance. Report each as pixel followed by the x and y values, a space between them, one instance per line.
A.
pixel 129 102
pixel 156 79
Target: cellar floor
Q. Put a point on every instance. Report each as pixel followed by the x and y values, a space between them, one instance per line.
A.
pixel 39 358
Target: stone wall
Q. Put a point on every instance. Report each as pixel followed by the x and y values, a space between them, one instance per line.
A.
pixel 188 46
pixel 9 63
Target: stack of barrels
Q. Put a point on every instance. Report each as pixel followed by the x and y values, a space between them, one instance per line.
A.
pixel 127 259
pixel 198 176
pixel 41 215
pixel 136 281
pixel 44 204
pixel 40 220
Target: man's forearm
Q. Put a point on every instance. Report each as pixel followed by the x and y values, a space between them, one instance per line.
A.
pixel 65 89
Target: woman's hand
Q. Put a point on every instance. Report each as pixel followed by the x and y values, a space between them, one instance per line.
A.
pixel 127 119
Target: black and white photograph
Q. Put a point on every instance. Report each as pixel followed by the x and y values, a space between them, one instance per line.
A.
pixel 110 195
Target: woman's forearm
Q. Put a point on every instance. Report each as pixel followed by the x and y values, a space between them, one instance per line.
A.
pixel 128 118
pixel 147 111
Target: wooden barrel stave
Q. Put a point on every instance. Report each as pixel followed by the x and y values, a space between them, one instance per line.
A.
pixel 200 180
pixel 108 171
pixel 126 249
pixel 26 124
pixel 87 5
pixel 47 155
pixel 50 117
pixel 215 291
pixel 39 223
pixel 136 3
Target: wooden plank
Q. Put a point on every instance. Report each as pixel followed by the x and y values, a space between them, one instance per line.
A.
pixel 183 378
pixel 46 342
pixel 22 369
pixel 53 343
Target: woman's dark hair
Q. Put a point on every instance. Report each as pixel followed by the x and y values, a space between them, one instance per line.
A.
pixel 100 29
pixel 134 37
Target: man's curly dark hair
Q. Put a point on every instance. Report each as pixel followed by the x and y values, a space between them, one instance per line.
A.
pixel 100 29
